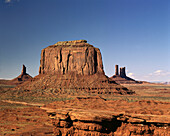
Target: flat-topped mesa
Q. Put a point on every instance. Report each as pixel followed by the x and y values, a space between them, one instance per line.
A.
pixel 73 67
pixel 71 42
pixel 75 43
pixel 76 56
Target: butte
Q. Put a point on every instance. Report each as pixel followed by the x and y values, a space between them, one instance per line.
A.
pixel 122 78
pixel 73 65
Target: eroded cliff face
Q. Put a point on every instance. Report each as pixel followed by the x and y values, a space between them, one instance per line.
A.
pixel 95 116
pixel 71 56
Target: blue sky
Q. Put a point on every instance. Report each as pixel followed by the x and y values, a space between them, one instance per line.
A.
pixel 130 33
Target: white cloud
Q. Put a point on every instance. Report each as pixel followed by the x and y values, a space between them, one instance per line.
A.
pixel 11 1
pixel 157 75
pixel 8 1
pixel 131 75
pixel 160 73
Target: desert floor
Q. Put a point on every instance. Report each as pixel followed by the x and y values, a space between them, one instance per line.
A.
pixel 79 113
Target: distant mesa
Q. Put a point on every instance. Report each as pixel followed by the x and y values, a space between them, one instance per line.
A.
pixel 122 78
pixel 22 77
pixel 74 65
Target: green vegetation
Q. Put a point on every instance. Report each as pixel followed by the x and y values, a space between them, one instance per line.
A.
pixel 136 98
pixel 7 86
pixel 143 92
pixel 37 96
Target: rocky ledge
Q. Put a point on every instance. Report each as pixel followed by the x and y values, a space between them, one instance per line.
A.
pixel 94 116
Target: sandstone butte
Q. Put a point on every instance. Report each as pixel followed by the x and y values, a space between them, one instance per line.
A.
pixel 73 65
pixel 71 56
pixel 121 78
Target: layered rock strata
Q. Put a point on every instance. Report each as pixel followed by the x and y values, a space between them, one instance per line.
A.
pixel 71 56
pixel 75 84
pixel 95 116
pixel 74 65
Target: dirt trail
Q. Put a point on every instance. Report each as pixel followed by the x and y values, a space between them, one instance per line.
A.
pixel 24 119
pixel 31 104
pixel 96 116
pixel 72 108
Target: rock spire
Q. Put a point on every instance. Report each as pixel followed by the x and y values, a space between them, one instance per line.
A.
pixel 122 72
pixel 122 78
pixel 23 72
pixel 116 70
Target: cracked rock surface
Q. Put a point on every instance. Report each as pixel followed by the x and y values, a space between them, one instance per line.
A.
pixel 94 116
pixel 71 56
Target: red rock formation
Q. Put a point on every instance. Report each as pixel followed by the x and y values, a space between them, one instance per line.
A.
pixel 21 78
pixel 122 72
pixel 122 78
pixel 96 116
pixel 74 65
pixel 71 56
pixel 23 70
pixel 116 70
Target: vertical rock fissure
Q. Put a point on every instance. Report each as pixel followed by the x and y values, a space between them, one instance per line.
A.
pixel 95 61
pixel 63 70
pixel 43 61
pixel 60 55
pixel 68 60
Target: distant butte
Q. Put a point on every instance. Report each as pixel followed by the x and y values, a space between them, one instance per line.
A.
pixel 122 78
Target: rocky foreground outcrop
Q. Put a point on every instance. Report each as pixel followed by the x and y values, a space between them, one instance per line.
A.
pixel 73 65
pixel 94 116
pixel 85 116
